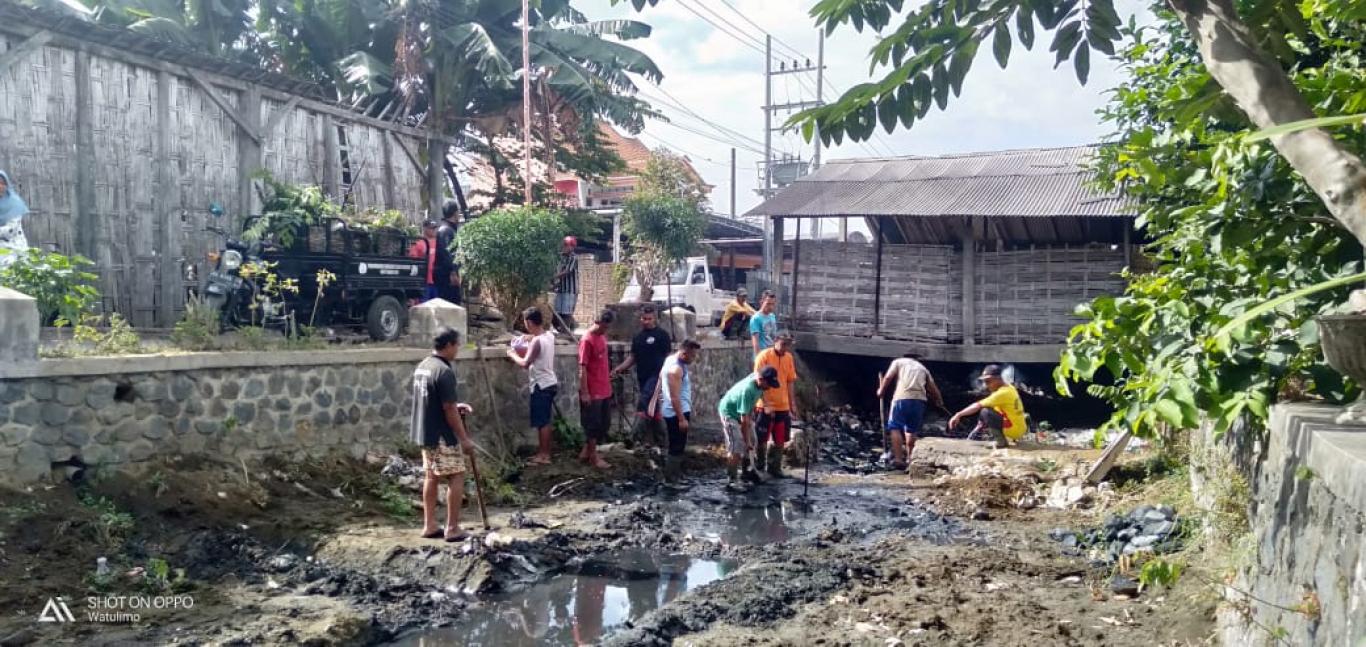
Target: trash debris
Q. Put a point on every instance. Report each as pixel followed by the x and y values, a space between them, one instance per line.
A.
pixel 1145 529
pixel 281 563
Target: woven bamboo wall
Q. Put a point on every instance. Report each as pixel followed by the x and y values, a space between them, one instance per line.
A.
pixel 109 156
pixel 922 296
pixel 1022 296
pixel 1028 296
pixel 835 288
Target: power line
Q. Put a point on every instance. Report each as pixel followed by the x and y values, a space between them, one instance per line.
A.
pixel 678 104
pixel 761 30
pixel 742 41
pixel 691 155
pixel 712 137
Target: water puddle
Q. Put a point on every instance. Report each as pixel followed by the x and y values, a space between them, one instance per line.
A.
pixel 578 607
pixel 771 516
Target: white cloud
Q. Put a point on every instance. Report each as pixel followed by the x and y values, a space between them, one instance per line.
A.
pixel 1027 105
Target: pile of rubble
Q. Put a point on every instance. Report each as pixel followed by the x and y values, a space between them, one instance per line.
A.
pixel 847 440
pixel 1152 529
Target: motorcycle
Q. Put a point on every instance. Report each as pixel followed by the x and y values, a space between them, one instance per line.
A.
pixel 223 287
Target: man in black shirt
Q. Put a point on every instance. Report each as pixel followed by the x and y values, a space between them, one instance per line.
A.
pixel 437 427
pixel 650 347
pixel 566 285
pixel 447 274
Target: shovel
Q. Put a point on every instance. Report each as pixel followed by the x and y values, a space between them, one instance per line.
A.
pixel 478 484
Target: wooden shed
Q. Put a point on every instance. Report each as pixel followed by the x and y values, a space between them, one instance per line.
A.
pixel 974 257
pixel 120 141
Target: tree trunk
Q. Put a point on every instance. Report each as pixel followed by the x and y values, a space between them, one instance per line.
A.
pixel 1265 92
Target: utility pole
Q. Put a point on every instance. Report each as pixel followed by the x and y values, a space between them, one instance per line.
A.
pixel 767 163
pixel 526 99
pixel 732 184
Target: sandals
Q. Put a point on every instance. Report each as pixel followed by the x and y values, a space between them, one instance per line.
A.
pixel 435 534
pixel 458 537
pixel 538 461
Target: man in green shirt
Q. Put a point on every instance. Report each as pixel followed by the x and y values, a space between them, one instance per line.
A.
pixel 735 409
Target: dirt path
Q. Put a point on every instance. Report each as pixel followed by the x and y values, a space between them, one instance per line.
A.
pixel 313 554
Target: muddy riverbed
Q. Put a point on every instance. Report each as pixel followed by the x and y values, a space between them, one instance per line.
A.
pixel 314 554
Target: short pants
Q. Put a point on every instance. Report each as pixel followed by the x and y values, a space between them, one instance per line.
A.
pixel 643 398
pixel 430 292
pixel 565 302
pixel 542 406
pixel 443 460
pixel 907 416
pixel 736 435
pixel 773 426
pixel 678 439
pixel 595 416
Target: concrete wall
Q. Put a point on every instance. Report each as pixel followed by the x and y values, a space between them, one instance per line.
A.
pixel 1309 521
pixel 126 411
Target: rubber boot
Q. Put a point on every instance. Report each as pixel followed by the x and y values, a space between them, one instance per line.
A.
pixel 759 457
pixel 733 482
pixel 775 462
pixel 673 472
pixel 747 472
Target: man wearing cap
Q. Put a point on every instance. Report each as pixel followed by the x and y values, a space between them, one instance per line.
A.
pixel 735 408
pixel 1003 414
pixel 778 407
pixel 447 274
pixel 736 317
pixel 567 283
pixel 915 387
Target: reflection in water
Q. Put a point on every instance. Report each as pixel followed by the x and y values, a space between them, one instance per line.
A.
pixel 578 609
pixel 747 526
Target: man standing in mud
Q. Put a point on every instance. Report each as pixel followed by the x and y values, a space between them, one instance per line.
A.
pixel 437 427
pixel 649 348
pixel 778 407
pixel 914 388
pixel 595 389
pixel 736 423
pixel 1002 412
pixel 536 354
pixel 675 403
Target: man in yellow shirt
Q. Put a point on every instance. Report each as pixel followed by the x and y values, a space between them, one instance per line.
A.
pixel 1003 414
pixel 735 320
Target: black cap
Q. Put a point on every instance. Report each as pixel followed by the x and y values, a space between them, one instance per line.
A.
pixel 768 376
pixel 991 370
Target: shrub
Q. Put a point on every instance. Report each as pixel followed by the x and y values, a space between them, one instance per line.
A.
pixel 512 254
pixel 61 285
pixel 663 229
pixel 198 329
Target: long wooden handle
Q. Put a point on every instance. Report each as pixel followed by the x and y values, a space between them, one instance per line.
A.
pixel 478 483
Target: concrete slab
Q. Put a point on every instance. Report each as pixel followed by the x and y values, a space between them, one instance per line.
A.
pixel 424 319
pixel 18 327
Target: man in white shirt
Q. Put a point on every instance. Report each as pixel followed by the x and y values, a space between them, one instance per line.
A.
pixel 914 385
pixel 536 354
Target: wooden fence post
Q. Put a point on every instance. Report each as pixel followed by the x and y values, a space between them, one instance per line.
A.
pixel 968 236
pixel 166 207
pixel 877 278
pixel 248 146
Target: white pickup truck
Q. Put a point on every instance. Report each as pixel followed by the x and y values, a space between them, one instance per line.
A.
pixel 691 286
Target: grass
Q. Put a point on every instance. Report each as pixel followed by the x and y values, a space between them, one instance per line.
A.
pixel 394 501
pixel 112 525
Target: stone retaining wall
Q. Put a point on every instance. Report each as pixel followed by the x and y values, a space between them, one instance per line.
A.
pixel 125 411
pixel 1309 520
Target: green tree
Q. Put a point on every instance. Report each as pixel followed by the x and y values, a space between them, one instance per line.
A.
pixel 667 174
pixel 1232 225
pixel 512 254
pixel 663 229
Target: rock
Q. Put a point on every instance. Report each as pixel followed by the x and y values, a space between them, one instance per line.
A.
pixel 425 319
pixel 46 435
pixel 281 563
pixel 26 414
pixel 1139 513
pixel 55 413
pixel 1159 529
pixel 1124 585
pixel 981 514
pixel 255 388
pixel 1069 541
pixel 1155 515
pixel 1058 534
pixel 31 464
pixel 1167 511
pixel 1127 534
pixel 141 451
pixel 1143 541
pixel 68 395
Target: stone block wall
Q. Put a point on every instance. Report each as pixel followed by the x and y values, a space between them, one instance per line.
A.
pixel 124 412
pixel 1308 516
pixel 596 288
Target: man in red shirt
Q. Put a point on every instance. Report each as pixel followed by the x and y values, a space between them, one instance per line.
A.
pixel 595 389
pixel 425 247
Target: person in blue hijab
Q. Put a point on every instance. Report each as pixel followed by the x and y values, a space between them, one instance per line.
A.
pixel 12 211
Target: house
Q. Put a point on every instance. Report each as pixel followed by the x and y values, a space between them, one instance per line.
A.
pixel 975 257
pixel 612 191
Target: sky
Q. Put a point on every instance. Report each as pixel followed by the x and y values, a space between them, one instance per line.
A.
pixel 721 80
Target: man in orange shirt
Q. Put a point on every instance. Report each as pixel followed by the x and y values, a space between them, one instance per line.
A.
pixel 778 406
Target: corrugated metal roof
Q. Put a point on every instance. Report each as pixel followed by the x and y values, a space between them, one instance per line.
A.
pixel 1035 182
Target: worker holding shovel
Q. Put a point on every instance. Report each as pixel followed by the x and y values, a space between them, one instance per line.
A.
pixel 915 388
pixel 736 422
pixel 436 425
